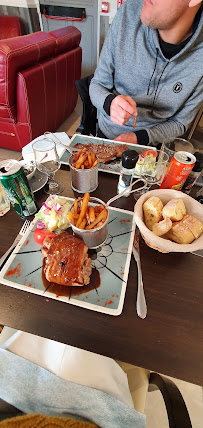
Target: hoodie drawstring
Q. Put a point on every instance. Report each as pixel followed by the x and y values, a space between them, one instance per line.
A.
pixel 155 95
pixel 157 53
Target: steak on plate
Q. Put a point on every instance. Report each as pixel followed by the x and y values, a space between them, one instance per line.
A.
pixel 66 260
pixel 104 152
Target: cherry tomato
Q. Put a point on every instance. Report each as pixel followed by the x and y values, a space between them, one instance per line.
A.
pixel 40 235
pixel 149 152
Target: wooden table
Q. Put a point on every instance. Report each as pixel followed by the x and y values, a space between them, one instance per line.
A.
pixel 169 340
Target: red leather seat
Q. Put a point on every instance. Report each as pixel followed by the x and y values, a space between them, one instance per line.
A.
pixel 37 84
pixel 10 26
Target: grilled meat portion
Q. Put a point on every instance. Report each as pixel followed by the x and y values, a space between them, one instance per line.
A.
pixel 104 152
pixel 66 260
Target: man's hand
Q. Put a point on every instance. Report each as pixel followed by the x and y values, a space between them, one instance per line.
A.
pixel 130 137
pixel 122 108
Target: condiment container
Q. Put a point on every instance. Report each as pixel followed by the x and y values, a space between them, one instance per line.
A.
pixel 129 159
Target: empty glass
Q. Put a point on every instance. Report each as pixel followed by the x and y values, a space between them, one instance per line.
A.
pixel 152 169
pixel 179 144
pixel 4 201
pixel 48 162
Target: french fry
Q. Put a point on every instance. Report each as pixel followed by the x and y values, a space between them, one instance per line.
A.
pixel 93 157
pixel 75 206
pixel 101 217
pixel 91 214
pixel 90 159
pixel 86 164
pixel 80 161
pixel 83 209
pixel 76 157
pixel 72 217
pixel 83 224
pixel 95 163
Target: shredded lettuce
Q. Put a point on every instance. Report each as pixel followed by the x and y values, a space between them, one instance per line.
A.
pixel 53 214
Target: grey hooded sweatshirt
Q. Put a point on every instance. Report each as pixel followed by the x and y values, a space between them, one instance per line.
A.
pixel 168 92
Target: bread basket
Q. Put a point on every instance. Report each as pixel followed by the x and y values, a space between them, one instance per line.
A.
pixel 163 245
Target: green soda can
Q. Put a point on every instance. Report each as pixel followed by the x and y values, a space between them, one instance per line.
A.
pixel 16 185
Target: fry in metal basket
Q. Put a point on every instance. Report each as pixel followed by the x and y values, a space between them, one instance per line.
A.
pixel 80 161
pixel 91 214
pixel 76 157
pixel 72 217
pixel 83 223
pixel 75 206
pixel 101 217
pixel 83 209
pixel 89 154
pixel 95 163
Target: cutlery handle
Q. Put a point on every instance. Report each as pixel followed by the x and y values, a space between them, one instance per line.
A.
pixel 3 258
pixel 141 302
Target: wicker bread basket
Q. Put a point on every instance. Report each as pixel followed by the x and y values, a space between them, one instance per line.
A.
pixel 163 245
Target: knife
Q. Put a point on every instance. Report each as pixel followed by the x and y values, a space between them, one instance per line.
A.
pixel 141 301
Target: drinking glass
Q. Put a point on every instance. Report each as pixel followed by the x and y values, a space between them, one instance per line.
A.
pixel 152 169
pixel 4 201
pixel 47 161
pixel 179 144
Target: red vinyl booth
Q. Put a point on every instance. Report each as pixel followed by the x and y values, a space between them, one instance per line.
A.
pixel 37 84
pixel 10 26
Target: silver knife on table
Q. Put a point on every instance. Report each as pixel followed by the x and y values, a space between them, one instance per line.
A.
pixel 141 305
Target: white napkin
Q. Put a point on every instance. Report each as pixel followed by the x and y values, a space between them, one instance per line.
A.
pixel 27 151
pixel 73 364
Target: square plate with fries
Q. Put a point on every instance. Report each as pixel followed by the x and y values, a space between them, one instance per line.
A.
pixel 110 262
pixel 112 166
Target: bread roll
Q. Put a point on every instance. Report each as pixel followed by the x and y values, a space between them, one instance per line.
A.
pixel 180 233
pixel 162 227
pixel 152 211
pixel 174 209
pixel 195 226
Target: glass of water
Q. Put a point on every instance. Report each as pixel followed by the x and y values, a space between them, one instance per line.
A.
pixel 47 161
pixel 4 201
pixel 154 167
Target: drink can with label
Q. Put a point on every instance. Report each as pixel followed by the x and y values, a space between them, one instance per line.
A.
pixel 178 170
pixel 15 183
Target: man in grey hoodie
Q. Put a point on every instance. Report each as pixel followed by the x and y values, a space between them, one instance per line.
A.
pixel 151 67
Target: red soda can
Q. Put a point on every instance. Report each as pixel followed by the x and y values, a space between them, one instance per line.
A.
pixel 178 170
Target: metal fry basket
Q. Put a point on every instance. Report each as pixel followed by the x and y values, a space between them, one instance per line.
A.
pixel 83 180
pixel 93 238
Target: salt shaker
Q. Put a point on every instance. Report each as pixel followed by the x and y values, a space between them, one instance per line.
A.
pixel 129 159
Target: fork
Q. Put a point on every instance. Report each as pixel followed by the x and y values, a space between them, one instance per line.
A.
pixel 141 302
pixel 23 229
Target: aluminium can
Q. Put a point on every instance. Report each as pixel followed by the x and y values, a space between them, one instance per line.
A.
pixel 16 185
pixel 178 170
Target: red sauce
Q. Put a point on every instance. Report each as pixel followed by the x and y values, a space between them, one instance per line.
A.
pixel 15 272
pixel 108 303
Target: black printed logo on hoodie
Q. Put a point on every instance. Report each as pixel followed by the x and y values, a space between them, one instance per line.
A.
pixel 177 87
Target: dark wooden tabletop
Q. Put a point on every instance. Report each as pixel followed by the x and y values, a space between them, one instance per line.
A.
pixel 168 341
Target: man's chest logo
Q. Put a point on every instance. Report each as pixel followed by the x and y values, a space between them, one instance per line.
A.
pixel 177 87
